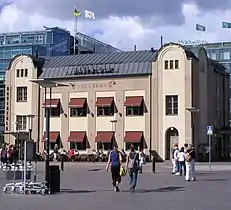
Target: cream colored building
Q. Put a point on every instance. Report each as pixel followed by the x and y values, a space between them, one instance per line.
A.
pixel 149 98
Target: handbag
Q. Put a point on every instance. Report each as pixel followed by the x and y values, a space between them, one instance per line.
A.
pixel 122 171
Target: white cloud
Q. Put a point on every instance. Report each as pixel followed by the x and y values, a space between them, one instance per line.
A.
pixel 124 32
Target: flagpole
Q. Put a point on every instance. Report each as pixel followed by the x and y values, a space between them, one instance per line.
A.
pixel 75 32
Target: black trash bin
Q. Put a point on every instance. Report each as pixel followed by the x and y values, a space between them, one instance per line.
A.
pixel 54 179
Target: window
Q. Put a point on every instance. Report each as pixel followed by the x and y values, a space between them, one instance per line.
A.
pixel 55 111
pixel 79 145
pixel 165 64
pixel 21 94
pixel 176 64
pixel 172 105
pixel 171 64
pixel 213 56
pixel 21 122
pixel 26 73
pixel 104 146
pixel 22 71
pixel 78 112
pixel 106 111
pixel 225 55
pixel 134 111
pixel 18 73
pixel 2 119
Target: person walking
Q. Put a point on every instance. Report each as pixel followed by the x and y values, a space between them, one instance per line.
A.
pixel 132 166
pixel 115 161
pixel 181 159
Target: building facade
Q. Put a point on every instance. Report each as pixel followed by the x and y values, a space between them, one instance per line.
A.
pixel 149 98
pixel 48 42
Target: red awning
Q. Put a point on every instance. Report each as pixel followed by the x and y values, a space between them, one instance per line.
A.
pixel 77 136
pixel 53 136
pixel 133 101
pixel 77 102
pixel 51 103
pixel 133 136
pixel 104 136
pixel 104 101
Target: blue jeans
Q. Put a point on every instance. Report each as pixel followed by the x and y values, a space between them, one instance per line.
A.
pixel 133 179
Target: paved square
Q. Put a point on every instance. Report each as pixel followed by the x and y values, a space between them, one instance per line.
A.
pixel 88 186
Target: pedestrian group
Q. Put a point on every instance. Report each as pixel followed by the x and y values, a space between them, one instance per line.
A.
pixel 183 161
pixel 133 166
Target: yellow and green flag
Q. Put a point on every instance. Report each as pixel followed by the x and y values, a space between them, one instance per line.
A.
pixel 77 13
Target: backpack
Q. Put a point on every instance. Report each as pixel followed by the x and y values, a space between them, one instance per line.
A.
pixel 133 162
pixel 188 157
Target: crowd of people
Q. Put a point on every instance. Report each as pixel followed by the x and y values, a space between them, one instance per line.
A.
pixel 8 154
pixel 183 161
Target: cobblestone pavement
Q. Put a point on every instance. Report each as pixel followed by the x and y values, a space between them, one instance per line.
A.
pixel 88 186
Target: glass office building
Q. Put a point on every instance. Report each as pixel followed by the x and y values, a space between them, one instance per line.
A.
pixel 221 52
pixel 88 45
pixel 48 42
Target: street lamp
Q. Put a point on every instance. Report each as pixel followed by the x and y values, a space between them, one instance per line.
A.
pixel 30 126
pixel 192 110
pixel 17 124
pixel 44 83
pixel 113 122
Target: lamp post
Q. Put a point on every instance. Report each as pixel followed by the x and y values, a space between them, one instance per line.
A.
pixel 192 110
pixel 45 83
pixel 30 126
pixel 17 124
pixel 113 122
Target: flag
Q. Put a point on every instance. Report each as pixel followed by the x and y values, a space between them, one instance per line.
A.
pixel 200 27
pixel 226 25
pixel 89 15
pixel 77 13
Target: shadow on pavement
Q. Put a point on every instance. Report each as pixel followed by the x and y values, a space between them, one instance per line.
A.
pixel 95 169
pixel 164 189
pixel 214 180
pixel 73 191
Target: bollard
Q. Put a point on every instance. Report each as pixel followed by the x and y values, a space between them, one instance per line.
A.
pixel 153 165
pixel 62 162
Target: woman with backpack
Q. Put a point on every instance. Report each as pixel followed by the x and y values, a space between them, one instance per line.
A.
pixel 132 166
pixel 115 160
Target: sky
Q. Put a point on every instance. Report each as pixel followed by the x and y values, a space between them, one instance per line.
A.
pixel 123 23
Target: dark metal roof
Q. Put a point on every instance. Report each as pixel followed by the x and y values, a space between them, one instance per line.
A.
pixel 97 59
pixel 123 63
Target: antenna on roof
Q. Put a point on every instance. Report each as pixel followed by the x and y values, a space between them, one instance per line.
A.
pixel 134 47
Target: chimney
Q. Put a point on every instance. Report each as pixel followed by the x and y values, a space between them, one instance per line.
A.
pixel 134 47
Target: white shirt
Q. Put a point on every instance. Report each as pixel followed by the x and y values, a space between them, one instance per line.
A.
pixel 181 156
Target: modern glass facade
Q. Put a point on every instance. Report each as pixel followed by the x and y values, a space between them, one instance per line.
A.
pixel 48 42
pixel 221 52
pixel 87 44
